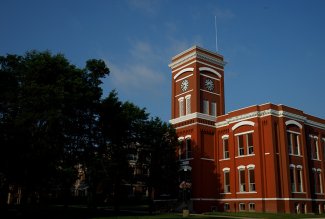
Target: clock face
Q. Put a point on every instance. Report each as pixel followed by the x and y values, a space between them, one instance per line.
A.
pixel 184 85
pixel 209 85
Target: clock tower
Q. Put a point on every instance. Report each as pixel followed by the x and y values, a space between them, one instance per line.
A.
pixel 197 99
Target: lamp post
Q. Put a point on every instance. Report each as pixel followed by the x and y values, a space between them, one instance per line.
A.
pixel 184 186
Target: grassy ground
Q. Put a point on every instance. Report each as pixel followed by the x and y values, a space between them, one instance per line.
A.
pixel 79 212
pixel 267 215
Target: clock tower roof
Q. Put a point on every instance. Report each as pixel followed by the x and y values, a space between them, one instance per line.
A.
pixel 196 52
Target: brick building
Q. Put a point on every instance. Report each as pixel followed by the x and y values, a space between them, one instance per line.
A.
pixel 263 158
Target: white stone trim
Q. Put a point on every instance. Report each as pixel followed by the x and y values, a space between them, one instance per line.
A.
pixel 188 137
pixel 242 123
pixel 225 136
pixel 293 122
pixel 207 76
pixel 184 93
pixel 208 159
pixel 180 79
pixel 183 71
pixel 180 138
pixel 226 169
pixel 196 54
pixel 269 112
pixel 243 133
pixel 299 167
pixel 241 167
pixel 250 166
pixel 209 92
pixel 193 116
pixel 210 70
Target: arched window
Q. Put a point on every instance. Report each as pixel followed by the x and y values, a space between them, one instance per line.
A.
pixel 293 137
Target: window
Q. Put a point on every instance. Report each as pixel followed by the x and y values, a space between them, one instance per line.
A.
pixel 317 181
pixel 225 148
pixel 185 149
pixel 188 104
pixel 299 185
pixel 181 106
pixel 242 187
pixel 251 178
pixel 226 181
pixel 226 207
pixel 314 147
pixel 249 141
pixel 214 109
pixel 205 106
pixel 293 139
pixel 297 208
pixel 251 206
pixel 241 206
pixel 292 179
pixel 245 140
pixel 240 139
pixel 188 148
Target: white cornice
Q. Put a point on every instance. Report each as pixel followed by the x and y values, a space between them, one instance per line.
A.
pixel 269 112
pixel 196 54
pixel 193 116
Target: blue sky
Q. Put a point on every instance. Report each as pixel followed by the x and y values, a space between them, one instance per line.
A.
pixel 274 49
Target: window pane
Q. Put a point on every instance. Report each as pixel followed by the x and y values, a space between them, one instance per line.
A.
pixel 225 148
pixel 188 105
pixel 240 145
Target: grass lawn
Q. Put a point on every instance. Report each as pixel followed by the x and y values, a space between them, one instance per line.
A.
pixel 217 216
pixel 268 215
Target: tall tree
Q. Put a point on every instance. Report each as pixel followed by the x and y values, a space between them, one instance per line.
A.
pixel 48 111
pixel 158 151
pixel 120 125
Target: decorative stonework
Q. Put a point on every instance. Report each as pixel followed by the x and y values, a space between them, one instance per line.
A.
pixel 269 112
pixel 196 55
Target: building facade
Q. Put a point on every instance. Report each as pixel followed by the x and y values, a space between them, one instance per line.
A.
pixel 263 158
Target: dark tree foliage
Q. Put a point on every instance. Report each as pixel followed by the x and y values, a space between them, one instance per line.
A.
pixel 53 117
pixel 120 125
pixel 157 151
pixel 47 118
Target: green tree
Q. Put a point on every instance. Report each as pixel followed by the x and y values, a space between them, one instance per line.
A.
pixel 158 151
pixel 121 125
pixel 48 115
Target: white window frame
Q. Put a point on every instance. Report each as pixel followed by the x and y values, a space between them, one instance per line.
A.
pixel 181 106
pixel 293 184
pixel 225 153
pixel 241 150
pixel 252 186
pixel 206 107
pixel 294 135
pixel 242 185
pixel 213 109
pixel 251 206
pixel 249 146
pixel 241 206
pixel 314 143
pixel 188 104
pixel 299 187
pixel 226 187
